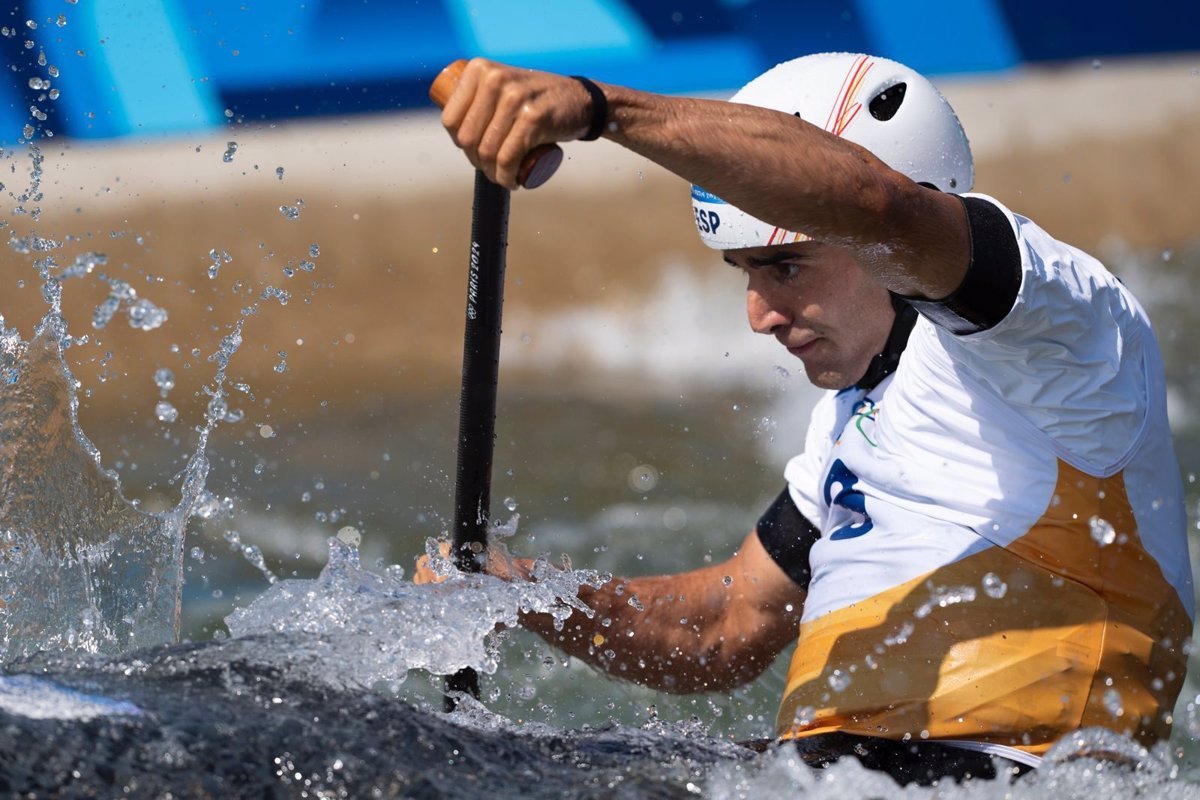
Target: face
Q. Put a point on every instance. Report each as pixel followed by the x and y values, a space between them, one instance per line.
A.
pixel 817 301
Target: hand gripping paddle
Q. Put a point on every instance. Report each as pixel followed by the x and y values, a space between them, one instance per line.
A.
pixel 481 357
pixel 539 163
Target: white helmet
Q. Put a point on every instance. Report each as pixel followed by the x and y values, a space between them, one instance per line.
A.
pixel 883 106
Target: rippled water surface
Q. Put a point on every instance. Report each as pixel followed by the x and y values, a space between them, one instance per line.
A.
pixel 203 584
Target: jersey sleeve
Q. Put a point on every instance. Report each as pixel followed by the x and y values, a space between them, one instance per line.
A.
pixel 790 527
pixel 788 537
pixel 993 278
pixel 1070 351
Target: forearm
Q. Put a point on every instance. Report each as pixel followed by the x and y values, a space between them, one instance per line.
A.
pixel 706 630
pixel 805 179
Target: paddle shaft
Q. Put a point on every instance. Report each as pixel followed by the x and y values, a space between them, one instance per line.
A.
pixel 477 400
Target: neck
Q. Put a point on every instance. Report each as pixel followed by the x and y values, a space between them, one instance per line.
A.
pixel 888 359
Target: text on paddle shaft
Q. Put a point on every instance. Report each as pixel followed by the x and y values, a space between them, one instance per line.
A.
pixel 473 282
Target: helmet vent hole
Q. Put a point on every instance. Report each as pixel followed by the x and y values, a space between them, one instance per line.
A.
pixel 885 104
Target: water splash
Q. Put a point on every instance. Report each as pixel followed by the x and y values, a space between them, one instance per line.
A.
pixel 81 568
pixel 365 627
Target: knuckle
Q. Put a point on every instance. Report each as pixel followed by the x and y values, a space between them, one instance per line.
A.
pixel 488 149
pixel 465 139
pixel 493 80
pixel 529 112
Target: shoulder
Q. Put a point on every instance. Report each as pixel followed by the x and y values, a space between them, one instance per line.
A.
pixel 1074 353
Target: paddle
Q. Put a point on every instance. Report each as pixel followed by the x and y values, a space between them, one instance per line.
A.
pixel 481 358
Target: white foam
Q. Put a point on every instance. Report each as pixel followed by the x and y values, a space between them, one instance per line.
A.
pixel 35 698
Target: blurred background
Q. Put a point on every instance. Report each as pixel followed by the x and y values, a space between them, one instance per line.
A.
pixel 282 158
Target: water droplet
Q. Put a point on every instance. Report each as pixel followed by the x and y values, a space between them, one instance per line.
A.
pixel 254 555
pixel 635 603
pixel 510 503
pixel 145 316
pixel 164 379
pixel 218 257
pixel 282 365
pixel 314 250
pixel 230 148
pixel 674 518
pixel 350 535
pixel 165 411
pixel 266 431
pixel 764 426
pixel 839 681
pixel 901 635
pixel 279 173
pixel 1112 703
pixel 993 586
pixel 1102 531
pixel 197 554
pixel 643 478
pixel 727 580
pixel 1096 64
pixel 292 212
pixel 282 295
pixel 207 506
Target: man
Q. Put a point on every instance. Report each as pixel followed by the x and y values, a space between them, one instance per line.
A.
pixel 983 543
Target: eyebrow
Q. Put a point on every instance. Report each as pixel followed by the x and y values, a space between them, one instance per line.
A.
pixel 769 260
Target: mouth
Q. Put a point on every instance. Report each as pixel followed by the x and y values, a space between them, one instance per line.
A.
pixel 802 349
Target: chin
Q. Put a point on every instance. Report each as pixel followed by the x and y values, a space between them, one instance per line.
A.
pixel 829 380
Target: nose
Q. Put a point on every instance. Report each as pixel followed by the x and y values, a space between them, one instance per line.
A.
pixel 764 309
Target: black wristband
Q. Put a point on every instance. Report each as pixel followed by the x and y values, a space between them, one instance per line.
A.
pixel 599 109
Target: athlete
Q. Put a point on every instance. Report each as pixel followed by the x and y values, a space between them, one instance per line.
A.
pixel 983 543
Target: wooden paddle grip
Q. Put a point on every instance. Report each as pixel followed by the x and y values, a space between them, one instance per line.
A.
pixel 538 164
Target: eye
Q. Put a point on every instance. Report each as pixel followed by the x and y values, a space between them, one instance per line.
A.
pixel 784 271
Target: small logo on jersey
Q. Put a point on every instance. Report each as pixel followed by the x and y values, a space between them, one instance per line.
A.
pixel 863 415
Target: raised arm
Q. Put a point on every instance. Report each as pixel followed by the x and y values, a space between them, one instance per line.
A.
pixel 774 166
pixel 707 630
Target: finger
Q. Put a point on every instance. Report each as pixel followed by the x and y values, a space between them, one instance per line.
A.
pixel 480 116
pixel 504 145
pixel 458 107
pixel 509 159
pixel 460 99
pixel 423 574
